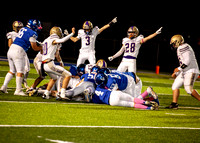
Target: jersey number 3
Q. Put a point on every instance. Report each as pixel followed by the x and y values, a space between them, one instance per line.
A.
pixel 88 40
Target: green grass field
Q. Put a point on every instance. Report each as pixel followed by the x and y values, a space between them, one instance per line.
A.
pixel 32 119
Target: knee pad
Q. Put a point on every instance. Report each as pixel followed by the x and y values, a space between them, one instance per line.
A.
pixel 189 89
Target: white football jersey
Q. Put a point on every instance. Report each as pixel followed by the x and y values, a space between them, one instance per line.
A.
pixel 131 47
pixel 49 49
pixel 88 41
pixel 11 35
pixel 186 56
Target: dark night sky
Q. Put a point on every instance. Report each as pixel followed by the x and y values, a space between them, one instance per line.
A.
pixel 155 51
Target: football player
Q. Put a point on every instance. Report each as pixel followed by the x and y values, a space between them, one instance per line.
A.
pixel 17 25
pixel 130 48
pixel 125 82
pixel 25 38
pixel 103 95
pixel 51 48
pixel 188 71
pixel 88 37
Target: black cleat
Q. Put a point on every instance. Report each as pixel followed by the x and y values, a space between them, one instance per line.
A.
pixel 172 106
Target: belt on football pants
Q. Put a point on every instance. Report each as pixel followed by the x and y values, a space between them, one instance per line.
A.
pixel 129 57
pixel 46 61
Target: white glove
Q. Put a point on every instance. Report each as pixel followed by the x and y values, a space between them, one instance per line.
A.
pixel 40 43
pixel 110 58
pixel 159 31
pixel 66 32
pixel 114 20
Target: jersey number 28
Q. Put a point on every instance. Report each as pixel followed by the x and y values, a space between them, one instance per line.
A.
pixel 130 47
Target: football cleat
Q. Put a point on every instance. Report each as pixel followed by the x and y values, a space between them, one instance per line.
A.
pixel 19 93
pixel 173 106
pixel 33 92
pixel 4 89
pixel 88 95
pixel 44 96
pixel 152 93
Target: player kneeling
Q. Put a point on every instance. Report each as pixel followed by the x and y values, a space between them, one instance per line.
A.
pixel 51 47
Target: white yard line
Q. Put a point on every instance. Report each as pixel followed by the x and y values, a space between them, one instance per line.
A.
pixel 112 127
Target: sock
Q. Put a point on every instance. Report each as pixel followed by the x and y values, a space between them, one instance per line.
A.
pixel 47 93
pixel 138 101
pixel 8 77
pixel 19 83
pixel 145 94
pixel 26 75
pixel 140 106
pixel 63 90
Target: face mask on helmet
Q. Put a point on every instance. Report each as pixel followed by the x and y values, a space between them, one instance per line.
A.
pixel 133 32
pixel 101 79
pixel 35 25
pixel 173 46
pixel 87 27
pixel 17 25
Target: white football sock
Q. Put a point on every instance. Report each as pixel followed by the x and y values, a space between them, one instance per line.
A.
pixel 8 77
pixel 19 83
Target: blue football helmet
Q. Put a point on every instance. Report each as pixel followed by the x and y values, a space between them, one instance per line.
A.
pixel 34 24
pixel 105 70
pixel 81 69
pixel 95 69
pixel 101 79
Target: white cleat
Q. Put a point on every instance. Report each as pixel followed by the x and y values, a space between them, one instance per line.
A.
pixel 152 93
pixel 19 93
pixel 4 89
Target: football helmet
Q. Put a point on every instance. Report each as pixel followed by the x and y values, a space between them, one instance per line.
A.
pixel 101 63
pixel 87 27
pixel 81 69
pixel 176 41
pixel 34 24
pixel 95 69
pixel 105 70
pixel 56 30
pixel 101 79
pixel 17 25
pixel 133 32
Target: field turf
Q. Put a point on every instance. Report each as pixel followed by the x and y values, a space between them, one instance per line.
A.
pixel 32 119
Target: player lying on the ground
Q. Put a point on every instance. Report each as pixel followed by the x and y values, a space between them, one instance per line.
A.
pixel 104 95
pixel 130 48
pixel 88 37
pixel 119 98
pixel 123 82
pixel 188 71
pixel 51 47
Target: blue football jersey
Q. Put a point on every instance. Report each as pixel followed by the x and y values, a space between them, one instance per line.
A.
pixel 101 96
pixel 23 37
pixel 117 79
pixel 89 77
